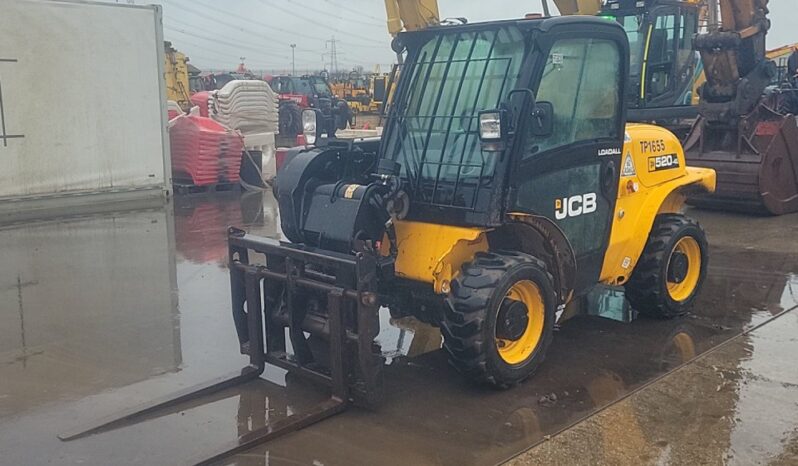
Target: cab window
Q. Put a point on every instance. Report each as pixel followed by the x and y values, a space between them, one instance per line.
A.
pixel 670 51
pixel 302 86
pixel 581 80
pixel 660 53
pixel 283 86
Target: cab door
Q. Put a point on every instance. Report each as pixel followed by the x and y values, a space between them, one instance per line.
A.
pixel 571 175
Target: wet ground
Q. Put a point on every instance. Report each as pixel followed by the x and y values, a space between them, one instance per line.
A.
pixel 100 312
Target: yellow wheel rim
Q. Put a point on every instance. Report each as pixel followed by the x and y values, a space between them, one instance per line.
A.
pixel 517 351
pixel 681 291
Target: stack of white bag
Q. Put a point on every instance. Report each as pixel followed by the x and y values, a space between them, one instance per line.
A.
pixel 248 106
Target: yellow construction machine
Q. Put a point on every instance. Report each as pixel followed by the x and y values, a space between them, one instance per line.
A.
pixel 507 188
pixel 380 90
pixel 354 89
pixel 364 93
pixel 507 192
pixel 176 75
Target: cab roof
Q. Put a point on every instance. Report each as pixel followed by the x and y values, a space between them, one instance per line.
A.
pixel 542 24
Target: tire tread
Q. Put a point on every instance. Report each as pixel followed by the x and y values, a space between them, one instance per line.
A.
pixel 645 290
pixel 466 311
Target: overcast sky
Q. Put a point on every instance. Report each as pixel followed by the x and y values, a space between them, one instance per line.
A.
pixel 215 34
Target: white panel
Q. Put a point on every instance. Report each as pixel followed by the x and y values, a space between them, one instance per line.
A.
pixel 82 83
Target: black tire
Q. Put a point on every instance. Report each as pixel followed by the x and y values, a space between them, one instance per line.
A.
pixel 469 326
pixel 290 118
pixel 647 289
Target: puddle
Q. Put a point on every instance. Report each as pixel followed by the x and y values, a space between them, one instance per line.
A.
pixel 119 308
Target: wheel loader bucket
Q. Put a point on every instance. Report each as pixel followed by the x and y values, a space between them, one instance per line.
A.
pixel 756 162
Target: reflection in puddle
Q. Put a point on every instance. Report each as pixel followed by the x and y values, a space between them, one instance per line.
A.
pixel 86 303
pixel 406 337
pixel 765 384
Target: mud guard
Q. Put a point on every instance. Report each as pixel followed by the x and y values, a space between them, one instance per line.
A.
pixel 634 217
pixel 541 237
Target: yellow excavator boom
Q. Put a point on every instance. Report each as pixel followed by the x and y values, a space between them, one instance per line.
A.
pixel 176 76
pixel 411 15
pixel 782 52
pixel 578 7
pixel 744 16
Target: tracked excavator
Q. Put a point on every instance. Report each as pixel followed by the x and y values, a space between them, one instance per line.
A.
pixel 507 192
pixel 751 143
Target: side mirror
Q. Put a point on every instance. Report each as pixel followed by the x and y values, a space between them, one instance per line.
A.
pixel 542 119
pixel 493 129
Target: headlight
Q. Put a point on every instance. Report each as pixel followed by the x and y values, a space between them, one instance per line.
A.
pixel 490 126
pixel 309 126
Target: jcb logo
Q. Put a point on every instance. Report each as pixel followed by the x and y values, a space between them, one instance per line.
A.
pixel 574 206
pixel 663 162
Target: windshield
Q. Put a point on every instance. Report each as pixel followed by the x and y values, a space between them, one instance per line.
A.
pixel 432 130
pixel 311 86
pixel 633 25
pixel 320 87
pixel 302 86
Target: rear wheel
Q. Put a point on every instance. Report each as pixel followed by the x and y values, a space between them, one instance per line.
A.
pixel 672 268
pixel 500 317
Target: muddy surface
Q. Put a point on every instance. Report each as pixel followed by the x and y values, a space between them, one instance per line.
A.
pixel 101 312
pixel 736 405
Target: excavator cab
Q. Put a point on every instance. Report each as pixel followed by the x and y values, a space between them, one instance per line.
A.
pixel 663 65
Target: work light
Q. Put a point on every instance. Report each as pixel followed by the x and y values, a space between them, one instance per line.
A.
pixel 490 126
pixel 309 125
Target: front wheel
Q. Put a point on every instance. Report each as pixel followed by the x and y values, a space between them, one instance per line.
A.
pixel 290 119
pixel 500 317
pixel 669 274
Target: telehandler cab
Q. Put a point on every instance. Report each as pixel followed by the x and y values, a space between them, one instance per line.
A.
pixel 505 188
